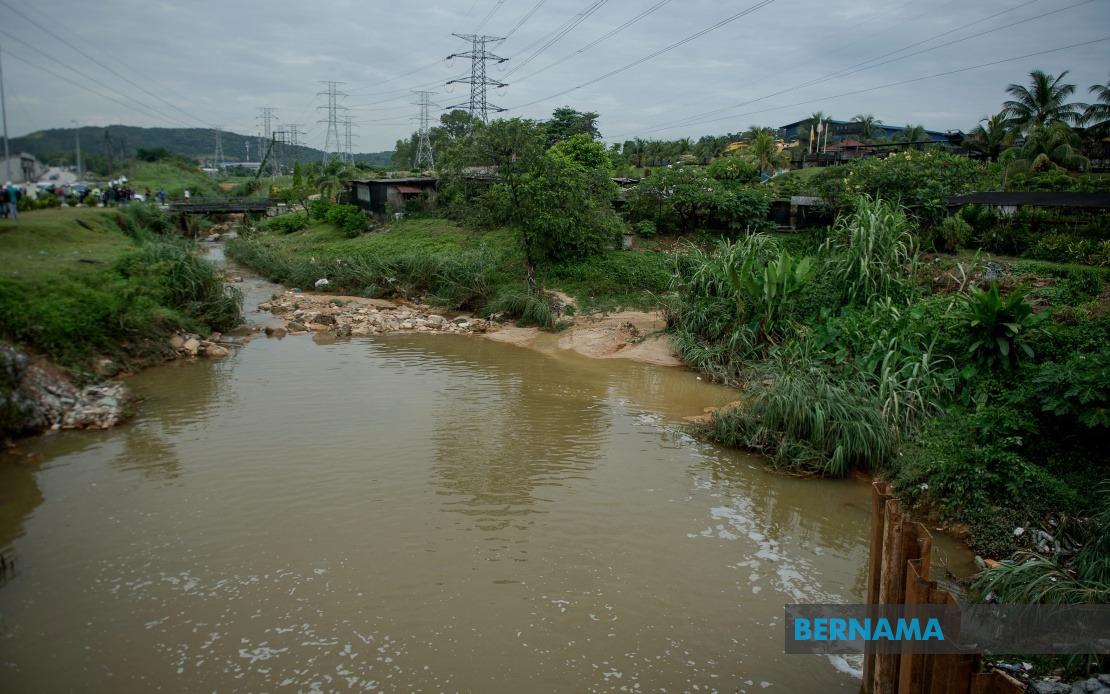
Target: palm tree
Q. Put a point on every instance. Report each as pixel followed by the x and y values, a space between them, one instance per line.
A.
pixel 1096 116
pixel 1044 101
pixel 992 135
pixel 333 178
pixel 765 151
pixel 1052 146
pixel 911 133
pixel 868 123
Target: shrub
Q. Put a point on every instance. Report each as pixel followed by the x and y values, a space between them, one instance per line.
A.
pixel 1062 248
pixel 526 307
pixel 347 218
pixel 954 233
pixel 646 228
pixel 738 169
pixel 998 326
pixel 318 209
pixel 286 223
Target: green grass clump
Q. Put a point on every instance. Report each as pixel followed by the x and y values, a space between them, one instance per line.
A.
pixel 79 283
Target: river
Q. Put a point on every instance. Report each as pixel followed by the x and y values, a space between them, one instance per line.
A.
pixel 415 512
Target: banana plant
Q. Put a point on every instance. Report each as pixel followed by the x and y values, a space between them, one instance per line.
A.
pixel 769 288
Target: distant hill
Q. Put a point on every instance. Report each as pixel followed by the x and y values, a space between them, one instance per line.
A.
pixel 119 142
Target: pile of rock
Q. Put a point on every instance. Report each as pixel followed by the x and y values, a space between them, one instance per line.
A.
pixel 1099 684
pixel 189 345
pixel 352 316
pixel 35 396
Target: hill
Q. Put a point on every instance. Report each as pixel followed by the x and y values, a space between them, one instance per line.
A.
pixel 101 146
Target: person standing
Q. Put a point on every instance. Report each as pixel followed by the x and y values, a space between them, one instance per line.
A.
pixel 13 200
pixel 4 202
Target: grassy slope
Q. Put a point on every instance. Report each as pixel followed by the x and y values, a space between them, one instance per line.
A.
pixel 615 279
pixel 74 286
pixel 171 177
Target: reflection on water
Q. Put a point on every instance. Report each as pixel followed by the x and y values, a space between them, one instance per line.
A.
pixel 414 512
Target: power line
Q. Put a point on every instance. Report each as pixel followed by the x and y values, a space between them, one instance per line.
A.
pixel 854 69
pixel 142 106
pixel 905 81
pixel 559 33
pixel 80 84
pixel 527 15
pixel 99 63
pixel 608 35
pixel 654 54
pixel 493 10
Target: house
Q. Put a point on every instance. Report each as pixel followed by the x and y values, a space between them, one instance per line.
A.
pixel 381 196
pixel 20 167
pixel 840 129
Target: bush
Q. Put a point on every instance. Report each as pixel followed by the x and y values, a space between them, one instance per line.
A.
pixel 286 223
pixel 954 233
pixel 646 228
pixel 1062 248
pixel 685 198
pixel 737 169
pixel 873 253
pixel 318 209
pixel 526 307
pixel 347 218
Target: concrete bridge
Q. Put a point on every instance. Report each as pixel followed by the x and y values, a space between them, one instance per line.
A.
pixel 211 205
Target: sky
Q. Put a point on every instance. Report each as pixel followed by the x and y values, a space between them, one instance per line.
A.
pixel 201 63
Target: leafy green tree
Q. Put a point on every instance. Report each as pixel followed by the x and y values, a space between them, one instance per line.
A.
pixel 911 133
pixel 333 178
pixel 583 151
pixel 566 122
pixel 1043 102
pixel 685 198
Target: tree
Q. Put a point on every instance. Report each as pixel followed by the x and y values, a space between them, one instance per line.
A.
pixel 991 136
pixel 566 122
pixel 911 133
pixel 583 151
pixel 766 153
pixel 1043 102
pixel 739 169
pixel 867 123
pixel 333 179
pixel 1048 147
pixel 1096 116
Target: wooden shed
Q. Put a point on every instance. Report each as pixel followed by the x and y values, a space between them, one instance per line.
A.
pixel 379 196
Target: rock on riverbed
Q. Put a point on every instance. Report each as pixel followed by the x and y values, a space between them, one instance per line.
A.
pixel 35 395
pixel 354 316
pixel 189 345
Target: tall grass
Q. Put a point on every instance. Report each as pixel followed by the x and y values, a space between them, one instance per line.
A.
pixel 805 416
pixel 872 252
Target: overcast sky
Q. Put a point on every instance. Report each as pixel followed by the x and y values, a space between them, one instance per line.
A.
pixel 217 62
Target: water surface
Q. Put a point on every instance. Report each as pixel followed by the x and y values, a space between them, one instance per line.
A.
pixel 422 512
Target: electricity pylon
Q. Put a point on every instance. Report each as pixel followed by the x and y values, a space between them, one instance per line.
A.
pixel 348 139
pixel 266 119
pixel 332 143
pixel 424 153
pixel 219 147
pixel 479 83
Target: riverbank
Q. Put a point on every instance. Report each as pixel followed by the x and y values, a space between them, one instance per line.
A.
pixel 86 294
pixel 634 335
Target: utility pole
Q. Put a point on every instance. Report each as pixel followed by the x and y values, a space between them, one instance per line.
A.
pixel 247 145
pixel 293 134
pixel 424 154
pixel 77 134
pixel 219 147
pixel 4 114
pixel 331 138
pixel 478 105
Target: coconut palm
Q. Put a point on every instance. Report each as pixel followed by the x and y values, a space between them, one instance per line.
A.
pixel 1044 101
pixel 1096 116
pixel 867 123
pixel 991 136
pixel 911 133
pixel 333 179
pixel 766 153
pixel 1052 146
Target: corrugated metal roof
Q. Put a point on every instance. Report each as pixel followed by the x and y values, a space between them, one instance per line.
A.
pixel 409 189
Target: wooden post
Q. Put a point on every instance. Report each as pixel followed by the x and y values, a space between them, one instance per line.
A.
pixel 892 590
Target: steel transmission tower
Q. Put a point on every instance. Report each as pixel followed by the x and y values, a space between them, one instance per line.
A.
pixel 332 144
pixel 348 139
pixel 219 146
pixel 266 117
pixel 424 154
pixel 478 105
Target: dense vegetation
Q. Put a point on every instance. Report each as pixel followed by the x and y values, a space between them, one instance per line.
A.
pixel 83 283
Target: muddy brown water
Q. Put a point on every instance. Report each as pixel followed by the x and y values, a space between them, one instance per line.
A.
pixel 415 512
